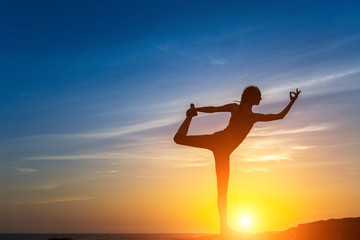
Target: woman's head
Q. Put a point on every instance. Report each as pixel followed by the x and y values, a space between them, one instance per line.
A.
pixel 251 95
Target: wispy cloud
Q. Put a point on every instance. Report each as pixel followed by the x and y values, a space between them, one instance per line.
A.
pixel 302 147
pixel 353 171
pixel 267 158
pixel 255 169
pixel 43 187
pixel 217 61
pixel 25 170
pixel 312 81
pixel 93 156
pixel 315 49
pixel 194 164
pixel 163 47
pixel 55 200
pixel 269 131
pixel 104 172
pixel 113 132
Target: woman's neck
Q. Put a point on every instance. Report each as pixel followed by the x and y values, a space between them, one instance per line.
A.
pixel 246 107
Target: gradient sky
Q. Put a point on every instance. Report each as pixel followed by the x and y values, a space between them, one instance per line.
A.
pixel 92 93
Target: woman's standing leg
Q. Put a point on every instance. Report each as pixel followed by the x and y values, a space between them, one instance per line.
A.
pixel 221 163
pixel 222 167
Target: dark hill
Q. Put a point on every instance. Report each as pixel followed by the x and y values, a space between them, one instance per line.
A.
pixel 333 229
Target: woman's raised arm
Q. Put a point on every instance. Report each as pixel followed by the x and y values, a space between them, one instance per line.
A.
pixel 271 117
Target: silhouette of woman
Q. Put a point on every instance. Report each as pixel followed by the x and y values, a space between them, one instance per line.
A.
pixel 224 142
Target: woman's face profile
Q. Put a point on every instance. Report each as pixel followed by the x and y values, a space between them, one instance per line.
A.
pixel 256 98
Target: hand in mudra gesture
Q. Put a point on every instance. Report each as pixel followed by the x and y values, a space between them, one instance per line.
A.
pixel 294 95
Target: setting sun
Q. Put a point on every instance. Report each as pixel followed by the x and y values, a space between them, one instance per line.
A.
pixel 244 223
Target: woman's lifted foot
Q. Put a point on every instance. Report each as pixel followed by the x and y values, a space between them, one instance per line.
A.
pixel 191 112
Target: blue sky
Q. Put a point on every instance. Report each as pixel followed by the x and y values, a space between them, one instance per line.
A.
pixel 98 88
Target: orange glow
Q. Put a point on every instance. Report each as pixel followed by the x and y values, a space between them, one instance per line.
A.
pixel 245 223
pixel 272 193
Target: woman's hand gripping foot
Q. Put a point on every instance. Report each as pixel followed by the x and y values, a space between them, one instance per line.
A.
pixel 191 112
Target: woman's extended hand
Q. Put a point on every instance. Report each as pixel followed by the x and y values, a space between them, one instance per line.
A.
pixel 294 95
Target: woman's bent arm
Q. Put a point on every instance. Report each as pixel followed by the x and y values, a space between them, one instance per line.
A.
pixel 270 117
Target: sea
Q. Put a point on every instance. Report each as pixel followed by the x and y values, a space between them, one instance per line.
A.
pixel 77 236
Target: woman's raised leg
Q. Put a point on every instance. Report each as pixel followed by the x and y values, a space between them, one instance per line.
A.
pixel 181 137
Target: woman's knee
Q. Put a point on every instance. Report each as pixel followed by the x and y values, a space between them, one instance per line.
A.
pixel 179 138
pixel 201 141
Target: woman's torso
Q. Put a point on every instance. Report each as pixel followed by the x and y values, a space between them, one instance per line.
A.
pixel 240 124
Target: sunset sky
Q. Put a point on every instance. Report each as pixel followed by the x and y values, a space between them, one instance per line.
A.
pixel 92 93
